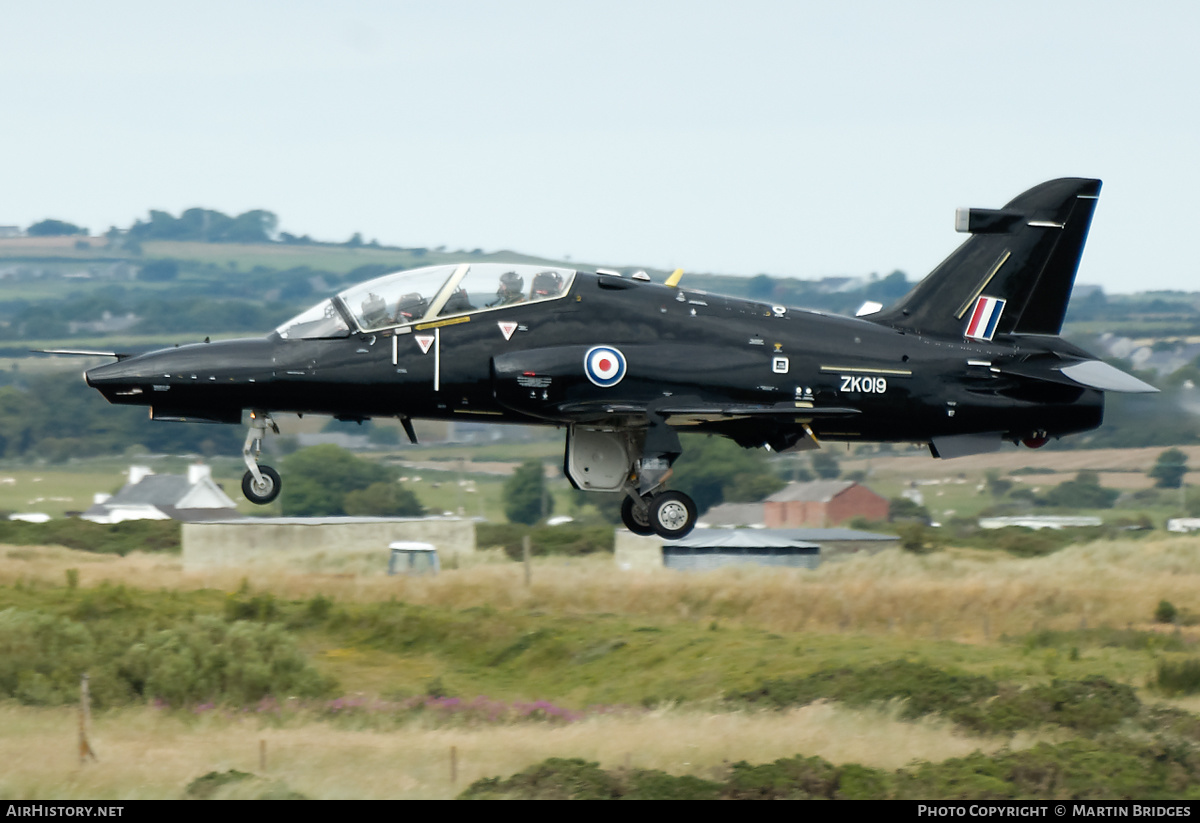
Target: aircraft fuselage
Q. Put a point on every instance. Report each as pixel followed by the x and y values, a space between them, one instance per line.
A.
pixel 525 363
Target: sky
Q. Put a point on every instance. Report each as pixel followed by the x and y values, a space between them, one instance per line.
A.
pixel 802 139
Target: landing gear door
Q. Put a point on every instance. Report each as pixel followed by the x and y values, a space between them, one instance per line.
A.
pixel 598 460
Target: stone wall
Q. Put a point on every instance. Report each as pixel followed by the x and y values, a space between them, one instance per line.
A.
pixel 345 545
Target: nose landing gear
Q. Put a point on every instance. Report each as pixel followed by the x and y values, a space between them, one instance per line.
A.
pixel 260 484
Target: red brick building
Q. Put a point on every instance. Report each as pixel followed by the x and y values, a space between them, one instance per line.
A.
pixel 821 504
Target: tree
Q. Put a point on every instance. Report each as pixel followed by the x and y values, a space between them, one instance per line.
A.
pixel 901 509
pixel 825 465
pixel 525 494
pixel 751 487
pixel 997 486
pixel 319 479
pixel 1084 492
pixel 54 228
pixel 207 225
pixel 1169 470
pixel 383 500
pixel 715 469
pixel 159 271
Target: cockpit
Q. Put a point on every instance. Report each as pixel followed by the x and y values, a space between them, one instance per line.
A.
pixel 424 295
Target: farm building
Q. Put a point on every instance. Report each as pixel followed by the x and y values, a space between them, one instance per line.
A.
pixel 821 504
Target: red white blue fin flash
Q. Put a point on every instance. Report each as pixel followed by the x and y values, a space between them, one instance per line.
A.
pixel 985 317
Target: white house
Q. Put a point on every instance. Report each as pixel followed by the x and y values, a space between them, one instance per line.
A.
pixel 150 496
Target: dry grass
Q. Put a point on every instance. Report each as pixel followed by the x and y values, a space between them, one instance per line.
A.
pixel 964 595
pixel 144 753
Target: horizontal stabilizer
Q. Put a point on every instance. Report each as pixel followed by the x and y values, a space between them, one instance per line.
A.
pixel 1094 374
pixel 1097 374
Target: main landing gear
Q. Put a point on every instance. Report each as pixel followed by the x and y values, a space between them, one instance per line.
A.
pixel 668 514
pixel 260 484
pixel 636 463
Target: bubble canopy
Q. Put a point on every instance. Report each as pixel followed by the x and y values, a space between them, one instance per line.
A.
pixel 423 295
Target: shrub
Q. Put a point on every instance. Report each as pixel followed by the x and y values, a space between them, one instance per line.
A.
pixel 1091 705
pixel 924 688
pixel 115 538
pixel 1165 612
pixel 553 779
pixel 651 784
pixel 211 660
pixel 1178 678
pixel 1078 769
pixel 794 778
pixel 43 657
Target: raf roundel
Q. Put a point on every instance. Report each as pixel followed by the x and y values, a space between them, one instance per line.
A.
pixel 605 365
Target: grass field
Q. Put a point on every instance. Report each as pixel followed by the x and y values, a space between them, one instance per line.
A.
pixel 658 649
pixel 640 664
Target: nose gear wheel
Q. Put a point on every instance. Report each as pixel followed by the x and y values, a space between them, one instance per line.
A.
pixel 261 491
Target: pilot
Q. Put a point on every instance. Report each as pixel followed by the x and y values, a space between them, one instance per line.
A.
pixel 458 302
pixel 411 307
pixel 374 310
pixel 547 284
pixel 512 290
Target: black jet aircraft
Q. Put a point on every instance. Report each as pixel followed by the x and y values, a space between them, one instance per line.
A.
pixel 969 359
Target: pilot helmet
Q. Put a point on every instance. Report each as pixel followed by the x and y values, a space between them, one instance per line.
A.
pixel 547 283
pixel 510 282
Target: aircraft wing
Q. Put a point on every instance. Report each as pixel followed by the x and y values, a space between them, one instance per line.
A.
pixel 693 414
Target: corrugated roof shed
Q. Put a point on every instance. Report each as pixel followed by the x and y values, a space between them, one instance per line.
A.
pixel 819 535
pixel 738 539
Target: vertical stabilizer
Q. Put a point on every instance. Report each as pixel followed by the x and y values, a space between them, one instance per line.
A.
pixel 1014 275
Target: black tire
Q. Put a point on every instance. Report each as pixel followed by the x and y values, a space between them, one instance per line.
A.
pixel 262 493
pixel 672 515
pixel 630 517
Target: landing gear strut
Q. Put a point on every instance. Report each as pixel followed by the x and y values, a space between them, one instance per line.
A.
pixel 260 484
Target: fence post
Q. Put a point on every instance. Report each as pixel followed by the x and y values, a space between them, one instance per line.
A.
pixel 525 559
pixel 85 748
